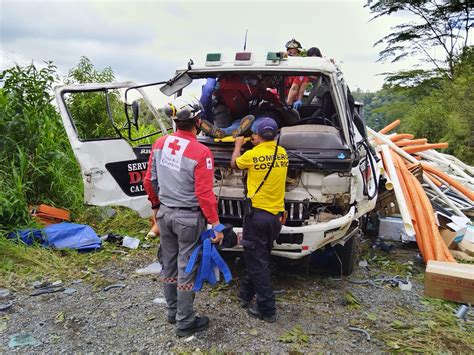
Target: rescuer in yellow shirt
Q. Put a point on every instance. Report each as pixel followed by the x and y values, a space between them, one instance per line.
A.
pixel 262 226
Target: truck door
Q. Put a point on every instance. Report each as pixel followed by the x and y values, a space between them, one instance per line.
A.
pixel 111 144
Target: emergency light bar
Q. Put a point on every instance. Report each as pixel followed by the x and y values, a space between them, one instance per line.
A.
pixel 244 58
pixel 213 59
pixel 274 58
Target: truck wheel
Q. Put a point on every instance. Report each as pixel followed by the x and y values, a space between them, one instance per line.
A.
pixel 349 253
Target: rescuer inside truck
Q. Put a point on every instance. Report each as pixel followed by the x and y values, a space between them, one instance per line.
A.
pixel 267 165
pixel 179 183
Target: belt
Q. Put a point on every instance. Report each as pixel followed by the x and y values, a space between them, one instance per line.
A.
pixel 193 208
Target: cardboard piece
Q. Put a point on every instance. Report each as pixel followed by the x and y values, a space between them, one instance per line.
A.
pixel 450 281
pixel 466 247
pixel 448 237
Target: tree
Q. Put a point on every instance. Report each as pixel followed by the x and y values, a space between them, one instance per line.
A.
pixel 89 109
pixel 438 24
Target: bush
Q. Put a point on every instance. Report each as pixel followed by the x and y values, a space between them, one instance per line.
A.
pixel 38 164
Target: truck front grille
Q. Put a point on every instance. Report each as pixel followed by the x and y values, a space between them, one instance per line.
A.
pixel 231 211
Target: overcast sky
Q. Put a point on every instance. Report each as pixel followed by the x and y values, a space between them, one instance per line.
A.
pixel 146 41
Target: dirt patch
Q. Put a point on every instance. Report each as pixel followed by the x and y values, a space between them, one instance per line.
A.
pixel 314 314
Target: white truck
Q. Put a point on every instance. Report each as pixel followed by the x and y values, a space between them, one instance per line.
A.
pixel 332 177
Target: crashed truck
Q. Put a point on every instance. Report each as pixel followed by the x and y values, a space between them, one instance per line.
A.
pixel 332 181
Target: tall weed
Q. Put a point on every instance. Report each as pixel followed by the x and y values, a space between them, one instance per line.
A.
pixel 37 163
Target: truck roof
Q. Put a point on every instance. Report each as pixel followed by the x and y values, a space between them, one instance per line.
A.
pixel 303 65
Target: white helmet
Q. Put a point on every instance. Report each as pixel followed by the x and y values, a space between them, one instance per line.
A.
pixel 184 108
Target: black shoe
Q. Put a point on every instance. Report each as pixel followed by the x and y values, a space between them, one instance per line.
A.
pixel 200 323
pixel 171 320
pixel 243 303
pixel 253 311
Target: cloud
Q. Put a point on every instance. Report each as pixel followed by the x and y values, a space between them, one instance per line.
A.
pixel 146 41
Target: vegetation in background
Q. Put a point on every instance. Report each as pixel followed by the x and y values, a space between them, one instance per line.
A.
pixel 37 162
pixel 436 24
pixel 435 103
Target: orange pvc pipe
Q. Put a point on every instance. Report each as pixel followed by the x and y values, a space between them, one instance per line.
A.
pixel 389 127
pixel 448 179
pixel 419 148
pixel 401 136
pixel 418 216
pixel 435 237
pixel 411 142
pixel 435 180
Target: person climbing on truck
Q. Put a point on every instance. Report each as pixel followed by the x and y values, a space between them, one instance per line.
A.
pixel 240 102
pixel 294 83
pixel 179 182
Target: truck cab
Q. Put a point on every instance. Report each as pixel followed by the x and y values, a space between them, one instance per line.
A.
pixel 332 175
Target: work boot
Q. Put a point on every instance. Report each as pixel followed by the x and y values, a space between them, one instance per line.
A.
pixel 245 124
pixel 243 303
pixel 199 324
pixel 171 319
pixel 253 311
pixel 211 130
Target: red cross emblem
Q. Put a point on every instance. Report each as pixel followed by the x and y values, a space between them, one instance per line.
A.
pixel 174 146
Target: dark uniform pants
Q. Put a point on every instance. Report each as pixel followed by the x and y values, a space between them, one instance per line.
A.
pixel 179 236
pixel 260 229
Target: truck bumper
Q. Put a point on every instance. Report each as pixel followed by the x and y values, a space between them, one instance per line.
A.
pixel 314 236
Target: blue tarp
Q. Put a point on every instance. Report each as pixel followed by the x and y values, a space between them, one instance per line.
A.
pixel 61 236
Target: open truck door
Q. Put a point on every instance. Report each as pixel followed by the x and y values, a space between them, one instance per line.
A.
pixel 112 144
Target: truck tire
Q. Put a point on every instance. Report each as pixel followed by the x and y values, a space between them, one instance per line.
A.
pixel 349 253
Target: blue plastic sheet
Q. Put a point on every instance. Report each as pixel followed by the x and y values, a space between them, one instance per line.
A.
pixel 61 236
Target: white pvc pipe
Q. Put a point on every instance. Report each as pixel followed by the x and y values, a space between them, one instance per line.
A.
pixel 383 173
pixel 426 179
pixel 438 158
pixel 402 203
pixel 458 162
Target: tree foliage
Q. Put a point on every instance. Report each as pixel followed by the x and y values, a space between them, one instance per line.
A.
pixel 437 24
pixel 90 110
pixel 37 162
pixel 438 109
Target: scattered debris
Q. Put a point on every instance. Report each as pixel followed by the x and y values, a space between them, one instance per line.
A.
pixel 192 337
pixel 46 215
pixel 296 335
pixel 159 300
pixel 4 307
pixel 359 330
pixel 150 318
pixel 4 293
pixel 381 245
pixel 112 238
pixel 363 263
pixel 350 299
pixel 279 292
pixel 405 286
pixel 154 268
pixel 25 339
pixel 461 312
pixel 46 287
pixel 69 290
pixel 114 286
pixel 59 318
pixel 131 243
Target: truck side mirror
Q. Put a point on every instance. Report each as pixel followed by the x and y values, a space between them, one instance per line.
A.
pixel 135 111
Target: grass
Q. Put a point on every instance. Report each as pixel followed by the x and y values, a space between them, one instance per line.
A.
pixel 20 264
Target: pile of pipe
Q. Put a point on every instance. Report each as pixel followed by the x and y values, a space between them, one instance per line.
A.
pixel 447 187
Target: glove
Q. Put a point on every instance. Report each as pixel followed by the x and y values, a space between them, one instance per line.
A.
pixel 297 104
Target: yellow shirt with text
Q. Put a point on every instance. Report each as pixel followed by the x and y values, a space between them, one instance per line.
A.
pixel 258 160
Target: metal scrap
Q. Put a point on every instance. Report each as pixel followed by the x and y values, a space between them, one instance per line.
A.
pixel 359 330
